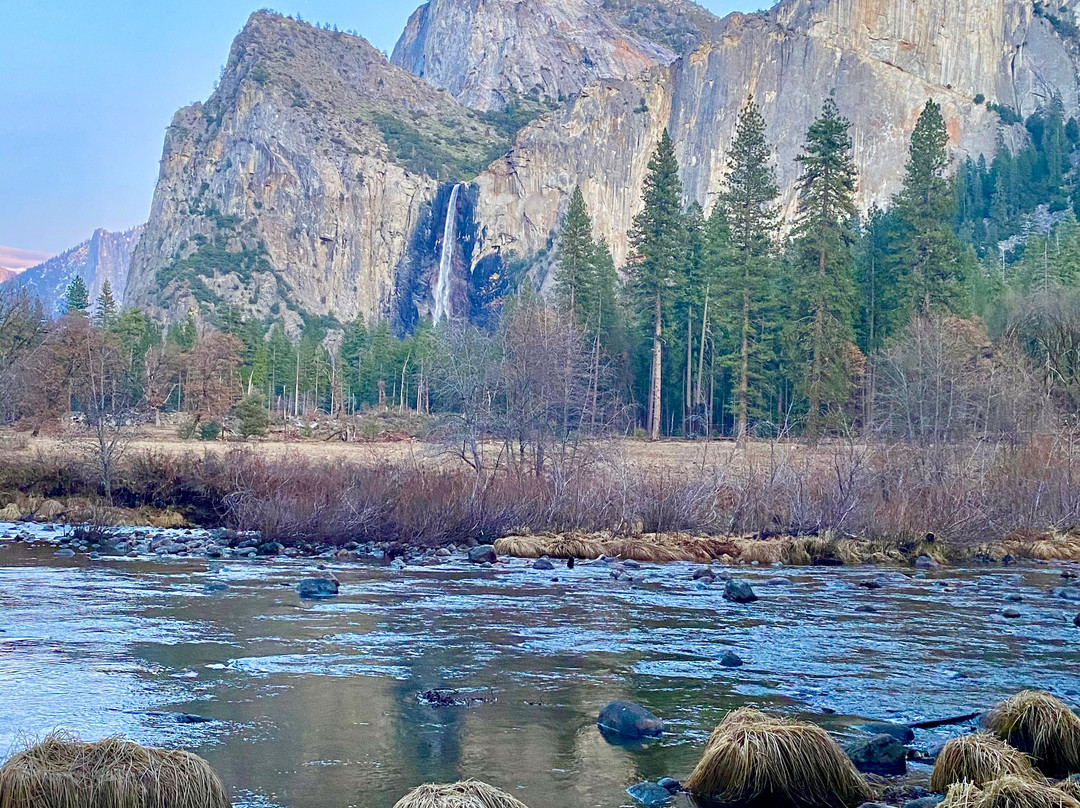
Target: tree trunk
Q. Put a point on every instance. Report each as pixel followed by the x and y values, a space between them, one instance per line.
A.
pixel 813 426
pixel 744 369
pixel 657 360
pixel 687 393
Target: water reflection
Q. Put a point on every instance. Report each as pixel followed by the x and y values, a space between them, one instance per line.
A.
pixel 315 705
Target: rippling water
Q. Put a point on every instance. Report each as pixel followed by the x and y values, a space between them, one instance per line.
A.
pixel 314 705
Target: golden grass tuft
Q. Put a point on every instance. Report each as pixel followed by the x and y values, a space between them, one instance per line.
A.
pixel 1008 792
pixel 1071 786
pixel 757 761
pixel 167 519
pixel 1041 726
pixel 978 759
pixel 49 510
pixel 10 513
pixel 467 794
pixel 63 772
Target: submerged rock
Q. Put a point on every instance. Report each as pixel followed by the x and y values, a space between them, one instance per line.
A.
pixel 901 732
pixel 882 754
pixel 542 564
pixel 1010 613
pixel 1070 593
pixel 739 592
pixel 629 721
pixel 669 783
pixel 449 698
pixel 649 794
pixel 925 562
pixel 731 660
pixel 484 554
pixel 1076 621
pixel 317 588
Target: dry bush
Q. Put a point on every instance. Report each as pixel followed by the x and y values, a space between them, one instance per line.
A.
pixel 753 760
pixel 978 759
pixel 1070 786
pixel 113 773
pixel 467 794
pixel 1041 726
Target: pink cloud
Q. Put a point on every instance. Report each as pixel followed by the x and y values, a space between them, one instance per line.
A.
pixel 14 258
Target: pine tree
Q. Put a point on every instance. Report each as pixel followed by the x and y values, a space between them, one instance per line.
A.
pixel 577 252
pixel 824 264
pixel 659 241
pixel 925 243
pixel 77 298
pixel 749 204
pixel 105 312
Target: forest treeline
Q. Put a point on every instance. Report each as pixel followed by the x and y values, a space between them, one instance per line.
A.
pixel 953 314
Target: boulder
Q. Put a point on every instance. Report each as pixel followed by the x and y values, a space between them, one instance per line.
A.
pixel 703 572
pixel 649 794
pixel 1010 613
pixel 1076 621
pixel 629 721
pixel 925 802
pixel 882 754
pixel 739 592
pixel 670 783
pixel 925 562
pixel 1070 593
pixel 484 554
pixel 317 588
pixel 901 732
pixel 271 548
pixel 731 660
pixel 542 564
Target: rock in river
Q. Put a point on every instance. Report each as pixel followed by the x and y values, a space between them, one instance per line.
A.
pixel 317 588
pixel 925 562
pixel 1076 621
pixel 901 732
pixel 629 721
pixel 731 660
pixel 649 794
pixel 882 754
pixel 739 592
pixel 543 564
pixel 1067 593
pixel 484 554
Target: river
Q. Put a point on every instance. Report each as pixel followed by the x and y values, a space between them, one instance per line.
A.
pixel 313 705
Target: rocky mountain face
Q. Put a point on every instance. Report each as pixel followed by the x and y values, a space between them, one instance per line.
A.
pixel 881 59
pixel 104 257
pixel 546 50
pixel 317 180
pixel 7 274
pixel 295 190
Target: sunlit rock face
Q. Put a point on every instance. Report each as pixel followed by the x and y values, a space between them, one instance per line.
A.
pixel 487 52
pixel 295 189
pixel 316 179
pixel 882 59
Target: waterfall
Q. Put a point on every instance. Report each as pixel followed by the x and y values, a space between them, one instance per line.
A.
pixel 446 260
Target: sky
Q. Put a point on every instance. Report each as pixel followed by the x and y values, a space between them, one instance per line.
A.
pixel 87 88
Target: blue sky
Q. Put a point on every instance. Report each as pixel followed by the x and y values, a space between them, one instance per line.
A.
pixel 87 88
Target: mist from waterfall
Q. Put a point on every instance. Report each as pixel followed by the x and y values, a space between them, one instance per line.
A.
pixel 446 260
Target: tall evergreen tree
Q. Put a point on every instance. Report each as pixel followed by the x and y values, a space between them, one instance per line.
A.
pixel 77 298
pixel 749 202
pixel 925 243
pixel 659 241
pixel 825 286
pixel 105 312
pixel 577 253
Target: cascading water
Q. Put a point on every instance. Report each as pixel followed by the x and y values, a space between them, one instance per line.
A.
pixel 446 260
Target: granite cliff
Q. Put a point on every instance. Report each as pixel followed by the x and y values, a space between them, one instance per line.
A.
pixel 296 188
pixel 316 181
pixel 106 256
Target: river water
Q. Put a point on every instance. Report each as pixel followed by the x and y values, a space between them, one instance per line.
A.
pixel 313 705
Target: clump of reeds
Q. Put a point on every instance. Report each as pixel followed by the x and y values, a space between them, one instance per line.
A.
pixel 1041 726
pixel 1008 792
pixel 64 772
pixel 753 761
pixel 467 794
pixel 1071 786
pixel 978 759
